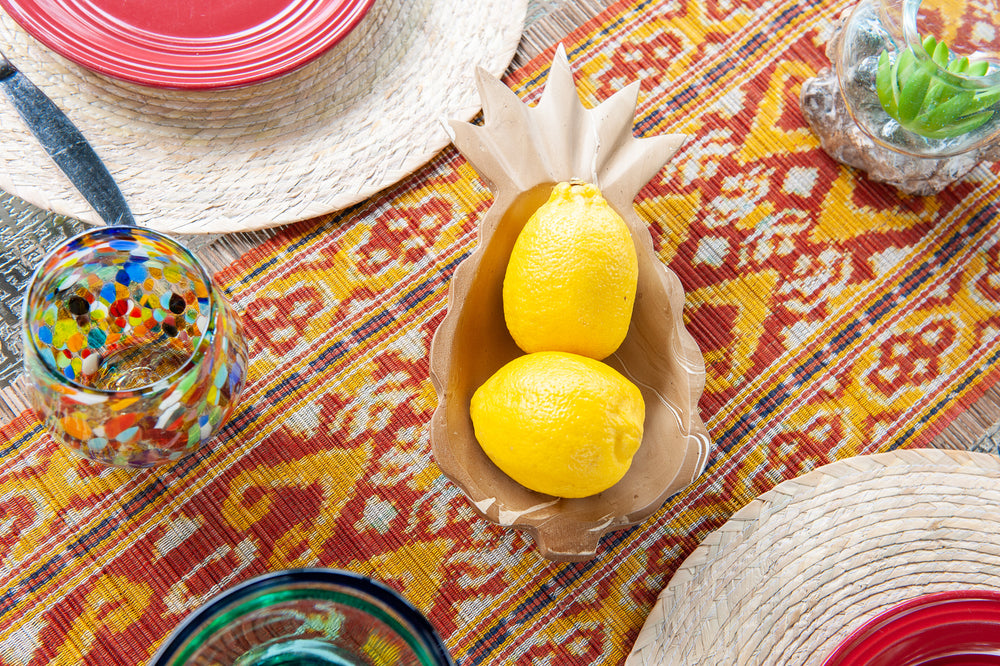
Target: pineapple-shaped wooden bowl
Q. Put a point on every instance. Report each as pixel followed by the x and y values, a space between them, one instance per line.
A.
pixel 523 152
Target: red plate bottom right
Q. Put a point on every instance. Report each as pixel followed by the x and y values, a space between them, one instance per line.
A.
pixel 953 628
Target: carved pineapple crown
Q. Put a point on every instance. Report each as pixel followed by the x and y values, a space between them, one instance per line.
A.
pixel 520 147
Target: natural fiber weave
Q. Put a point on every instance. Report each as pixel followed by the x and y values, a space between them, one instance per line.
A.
pixel 319 139
pixel 800 568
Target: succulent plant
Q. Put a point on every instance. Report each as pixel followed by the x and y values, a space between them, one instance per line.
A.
pixel 912 92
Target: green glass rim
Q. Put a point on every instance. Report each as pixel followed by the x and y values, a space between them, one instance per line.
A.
pixel 344 587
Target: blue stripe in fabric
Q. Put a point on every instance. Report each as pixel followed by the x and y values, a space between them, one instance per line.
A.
pixel 771 401
pixel 586 44
pixel 690 92
pixel 987 364
pixel 494 638
pixel 12 446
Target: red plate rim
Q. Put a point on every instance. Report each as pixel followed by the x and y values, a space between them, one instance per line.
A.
pixel 79 31
pixel 910 618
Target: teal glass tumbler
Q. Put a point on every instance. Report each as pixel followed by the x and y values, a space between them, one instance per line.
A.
pixel 133 356
pixel 305 617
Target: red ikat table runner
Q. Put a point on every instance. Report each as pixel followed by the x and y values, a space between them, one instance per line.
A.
pixel 836 318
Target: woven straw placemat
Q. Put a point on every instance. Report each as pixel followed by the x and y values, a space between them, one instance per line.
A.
pixel 794 572
pixel 330 134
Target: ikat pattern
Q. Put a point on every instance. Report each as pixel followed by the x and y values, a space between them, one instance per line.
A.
pixel 836 318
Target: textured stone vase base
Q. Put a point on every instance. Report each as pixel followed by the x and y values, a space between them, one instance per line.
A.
pixel 827 115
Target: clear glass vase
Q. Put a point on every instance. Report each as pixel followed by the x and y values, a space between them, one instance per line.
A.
pixel 922 77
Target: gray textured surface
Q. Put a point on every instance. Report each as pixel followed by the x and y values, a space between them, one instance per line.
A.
pixel 26 233
pixel 989 442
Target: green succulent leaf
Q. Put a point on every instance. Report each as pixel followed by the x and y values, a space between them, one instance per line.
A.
pixel 911 90
pixel 947 112
pixel 912 93
pixel 959 128
pixel 884 85
pixel 978 68
pixel 929 44
pixel 983 100
pixel 940 55
pixel 937 92
pixel 905 64
pixel 959 65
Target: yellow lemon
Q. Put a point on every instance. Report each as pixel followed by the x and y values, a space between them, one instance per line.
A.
pixel 571 278
pixel 559 423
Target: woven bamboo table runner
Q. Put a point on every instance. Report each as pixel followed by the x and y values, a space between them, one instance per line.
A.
pixel 836 317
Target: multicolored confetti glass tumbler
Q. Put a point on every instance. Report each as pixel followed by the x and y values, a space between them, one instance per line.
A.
pixel 135 358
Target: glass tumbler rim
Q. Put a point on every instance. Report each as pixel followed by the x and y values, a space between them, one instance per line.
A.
pixel 367 587
pixel 110 230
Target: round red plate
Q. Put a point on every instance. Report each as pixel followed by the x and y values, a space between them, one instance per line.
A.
pixel 189 43
pixel 955 628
